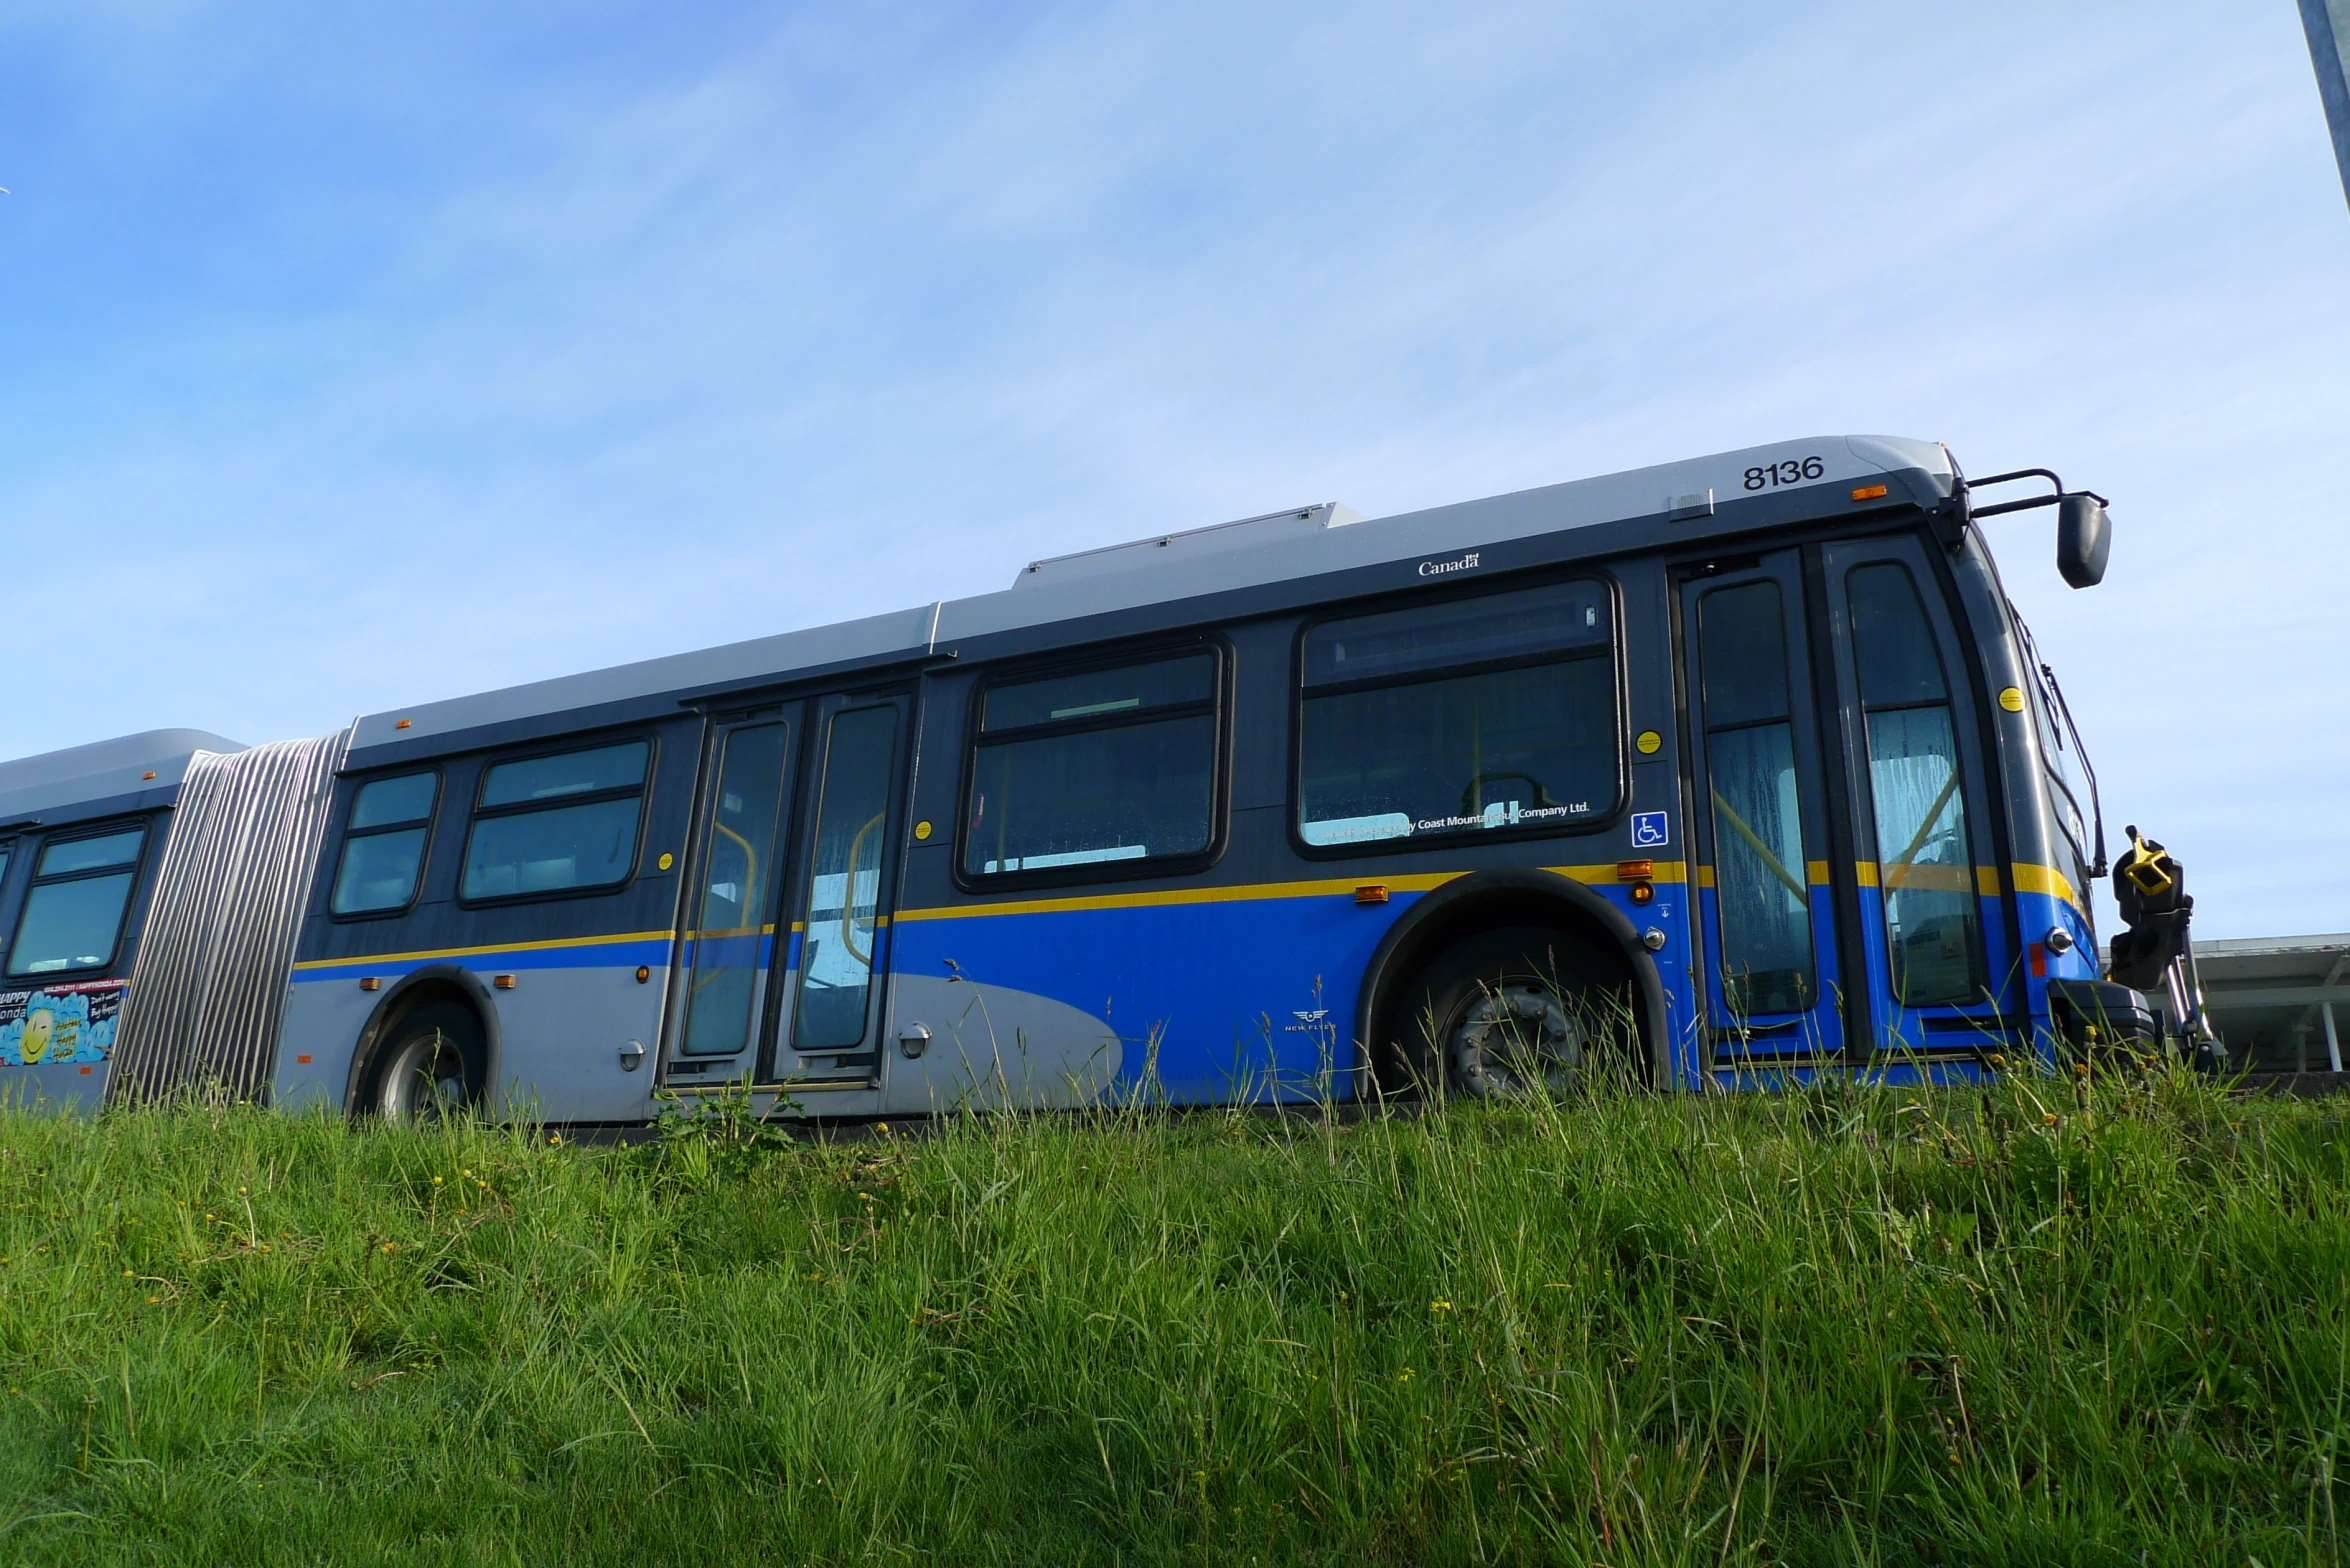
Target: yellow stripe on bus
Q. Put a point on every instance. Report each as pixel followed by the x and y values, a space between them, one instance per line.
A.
pixel 480 952
pixel 2044 879
pixel 1250 892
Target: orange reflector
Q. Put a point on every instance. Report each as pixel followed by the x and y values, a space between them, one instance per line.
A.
pixel 404 723
pixel 150 773
pixel 1634 870
pixel 1869 493
pixel 304 1060
pixel 503 982
pixel 1644 893
pixel 370 983
pixel 1374 893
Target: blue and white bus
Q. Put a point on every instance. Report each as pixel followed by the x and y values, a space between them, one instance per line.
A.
pixel 1749 753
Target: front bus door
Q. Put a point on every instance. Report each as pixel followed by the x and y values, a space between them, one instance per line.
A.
pixel 1940 961
pixel 1771 982
pixel 788 926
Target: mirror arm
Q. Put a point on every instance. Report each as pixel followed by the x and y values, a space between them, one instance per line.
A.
pixel 1953 515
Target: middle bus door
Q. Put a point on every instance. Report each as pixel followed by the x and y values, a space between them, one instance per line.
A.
pixel 1758 821
pixel 828 1025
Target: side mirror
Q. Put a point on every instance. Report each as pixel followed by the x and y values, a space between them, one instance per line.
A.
pixel 2084 537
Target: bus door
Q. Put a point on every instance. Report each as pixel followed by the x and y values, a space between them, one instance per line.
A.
pixel 828 1026
pixel 1771 983
pixel 728 947
pixel 1935 942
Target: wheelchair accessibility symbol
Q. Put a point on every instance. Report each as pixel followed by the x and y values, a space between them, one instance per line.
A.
pixel 1651 829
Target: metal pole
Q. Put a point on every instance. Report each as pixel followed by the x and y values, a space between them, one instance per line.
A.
pixel 2333 1040
pixel 2328 24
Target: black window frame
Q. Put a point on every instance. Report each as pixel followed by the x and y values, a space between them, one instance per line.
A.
pixel 1414 843
pixel 431 822
pixel 145 824
pixel 1219 708
pixel 479 813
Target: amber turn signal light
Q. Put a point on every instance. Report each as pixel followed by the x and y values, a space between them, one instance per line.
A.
pixel 1869 493
pixel 643 974
pixel 1644 893
pixel 503 982
pixel 1374 893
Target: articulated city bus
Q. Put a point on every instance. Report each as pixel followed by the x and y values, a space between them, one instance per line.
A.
pixel 1736 770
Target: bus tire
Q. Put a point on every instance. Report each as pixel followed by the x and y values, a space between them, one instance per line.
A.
pixel 434 1067
pixel 1497 1015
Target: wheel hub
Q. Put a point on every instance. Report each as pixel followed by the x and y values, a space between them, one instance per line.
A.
pixel 1512 1037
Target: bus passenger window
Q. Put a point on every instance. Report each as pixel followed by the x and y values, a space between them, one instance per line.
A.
pixel 1933 925
pixel 1761 877
pixel 73 915
pixel 383 849
pixel 550 824
pixel 1099 766
pixel 1461 717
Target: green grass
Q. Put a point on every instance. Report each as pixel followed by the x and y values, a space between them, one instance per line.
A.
pixel 2045 1322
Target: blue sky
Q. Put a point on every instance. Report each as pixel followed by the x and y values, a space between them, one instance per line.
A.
pixel 353 360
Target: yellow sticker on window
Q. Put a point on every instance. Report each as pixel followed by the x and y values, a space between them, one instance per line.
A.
pixel 2012 699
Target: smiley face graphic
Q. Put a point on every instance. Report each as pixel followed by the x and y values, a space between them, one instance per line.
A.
pixel 39 1025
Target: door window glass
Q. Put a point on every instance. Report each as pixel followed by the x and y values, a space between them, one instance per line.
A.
pixel 550 824
pixel 1761 883
pixel 1105 765
pixel 73 915
pixel 731 943
pixel 1925 866
pixel 844 889
pixel 1474 714
pixel 383 850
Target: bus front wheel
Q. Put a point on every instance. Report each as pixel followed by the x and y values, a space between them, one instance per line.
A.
pixel 432 1070
pixel 1496 1016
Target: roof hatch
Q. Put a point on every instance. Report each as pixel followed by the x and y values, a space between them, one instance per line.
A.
pixel 1189 543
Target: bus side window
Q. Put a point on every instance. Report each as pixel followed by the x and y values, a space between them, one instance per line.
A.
pixel 1925 861
pixel 1462 716
pixel 73 915
pixel 556 823
pixel 383 847
pixel 1092 767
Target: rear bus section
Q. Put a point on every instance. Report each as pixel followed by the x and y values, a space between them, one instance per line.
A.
pixel 83 835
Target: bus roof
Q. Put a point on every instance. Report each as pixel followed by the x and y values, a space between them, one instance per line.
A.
pixel 151 762
pixel 1667 505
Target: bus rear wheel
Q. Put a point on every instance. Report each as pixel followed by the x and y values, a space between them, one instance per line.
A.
pixel 432 1070
pixel 1497 1016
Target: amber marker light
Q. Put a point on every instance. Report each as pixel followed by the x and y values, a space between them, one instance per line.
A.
pixel 503 982
pixel 1869 493
pixel 1373 893
pixel 1644 893
pixel 643 973
pixel 404 723
pixel 370 983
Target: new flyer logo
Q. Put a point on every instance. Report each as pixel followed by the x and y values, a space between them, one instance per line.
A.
pixel 59 1023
